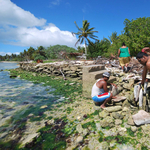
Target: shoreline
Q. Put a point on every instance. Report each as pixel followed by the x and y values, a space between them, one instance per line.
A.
pixel 9 61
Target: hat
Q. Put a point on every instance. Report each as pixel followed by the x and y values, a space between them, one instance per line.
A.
pixel 143 50
pixel 106 74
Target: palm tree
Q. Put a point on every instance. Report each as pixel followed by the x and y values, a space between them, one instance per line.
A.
pixel 84 34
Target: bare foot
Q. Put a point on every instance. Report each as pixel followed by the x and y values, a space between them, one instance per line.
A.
pixel 102 106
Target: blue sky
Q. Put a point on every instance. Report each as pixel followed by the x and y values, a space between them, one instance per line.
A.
pixel 25 23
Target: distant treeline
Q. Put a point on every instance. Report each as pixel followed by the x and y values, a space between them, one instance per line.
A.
pixel 136 35
pixel 41 53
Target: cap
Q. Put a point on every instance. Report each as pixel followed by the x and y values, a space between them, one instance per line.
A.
pixel 106 74
pixel 143 50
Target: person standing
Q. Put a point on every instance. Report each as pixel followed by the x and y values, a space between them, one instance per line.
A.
pixel 124 57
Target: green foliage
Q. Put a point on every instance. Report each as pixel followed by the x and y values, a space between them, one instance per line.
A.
pixel 54 52
pixel 85 34
pixel 136 36
pixel 99 48
pixel 38 57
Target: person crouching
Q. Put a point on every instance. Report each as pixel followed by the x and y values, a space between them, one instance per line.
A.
pixel 100 94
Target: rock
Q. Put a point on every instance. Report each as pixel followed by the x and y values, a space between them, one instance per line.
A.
pixel 79 118
pixel 116 115
pixel 113 108
pixel 119 98
pixel 93 143
pixel 85 148
pixel 120 129
pixel 126 104
pixel 79 128
pixel 146 128
pixel 97 107
pixel 98 126
pixel 50 122
pixel 108 121
pixel 85 132
pixel 118 122
pixel 134 128
pixel 104 114
pixel 127 86
pixel 79 139
pixel 142 117
pixel 125 109
pixel 130 121
pixel 71 147
pixel 28 139
pixel 102 146
pixel 44 106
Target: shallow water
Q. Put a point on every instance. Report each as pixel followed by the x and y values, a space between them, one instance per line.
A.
pixel 17 96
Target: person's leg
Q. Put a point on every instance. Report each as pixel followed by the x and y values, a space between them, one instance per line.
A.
pixel 106 101
pixel 99 99
pixel 121 63
pixel 127 60
pixel 122 68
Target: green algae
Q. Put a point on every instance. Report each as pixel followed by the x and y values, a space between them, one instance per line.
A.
pixel 130 132
pixel 62 87
pixel 91 123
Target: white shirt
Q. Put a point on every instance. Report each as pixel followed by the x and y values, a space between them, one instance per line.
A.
pixel 96 91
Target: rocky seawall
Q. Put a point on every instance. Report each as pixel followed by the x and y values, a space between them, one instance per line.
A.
pixel 71 69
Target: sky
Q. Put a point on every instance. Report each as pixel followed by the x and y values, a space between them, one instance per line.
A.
pixel 25 23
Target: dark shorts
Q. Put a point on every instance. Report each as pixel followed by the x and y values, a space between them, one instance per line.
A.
pixel 101 98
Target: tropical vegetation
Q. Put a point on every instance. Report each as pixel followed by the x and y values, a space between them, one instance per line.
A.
pixel 85 33
pixel 136 35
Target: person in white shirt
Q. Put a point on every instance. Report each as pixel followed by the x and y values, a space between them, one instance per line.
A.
pixel 100 94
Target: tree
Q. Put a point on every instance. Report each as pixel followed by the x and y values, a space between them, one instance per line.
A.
pixel 84 34
pixel 113 37
pixel 100 48
pixel 30 52
pixel 138 33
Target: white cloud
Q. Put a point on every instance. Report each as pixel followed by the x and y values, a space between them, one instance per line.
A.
pixel 55 2
pixel 21 28
pixel 3 53
pixel 11 14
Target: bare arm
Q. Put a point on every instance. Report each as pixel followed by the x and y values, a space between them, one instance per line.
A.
pixel 105 87
pixel 146 48
pixel 144 75
pixel 129 50
pixel 118 52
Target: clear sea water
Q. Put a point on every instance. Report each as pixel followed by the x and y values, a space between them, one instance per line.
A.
pixel 17 97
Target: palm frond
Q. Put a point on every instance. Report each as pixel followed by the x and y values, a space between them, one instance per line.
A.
pixel 84 22
pixel 81 40
pixel 77 42
pixel 86 27
pixel 77 26
pixel 91 35
pixel 90 29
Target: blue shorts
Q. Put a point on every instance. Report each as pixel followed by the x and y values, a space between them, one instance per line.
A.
pixel 101 98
